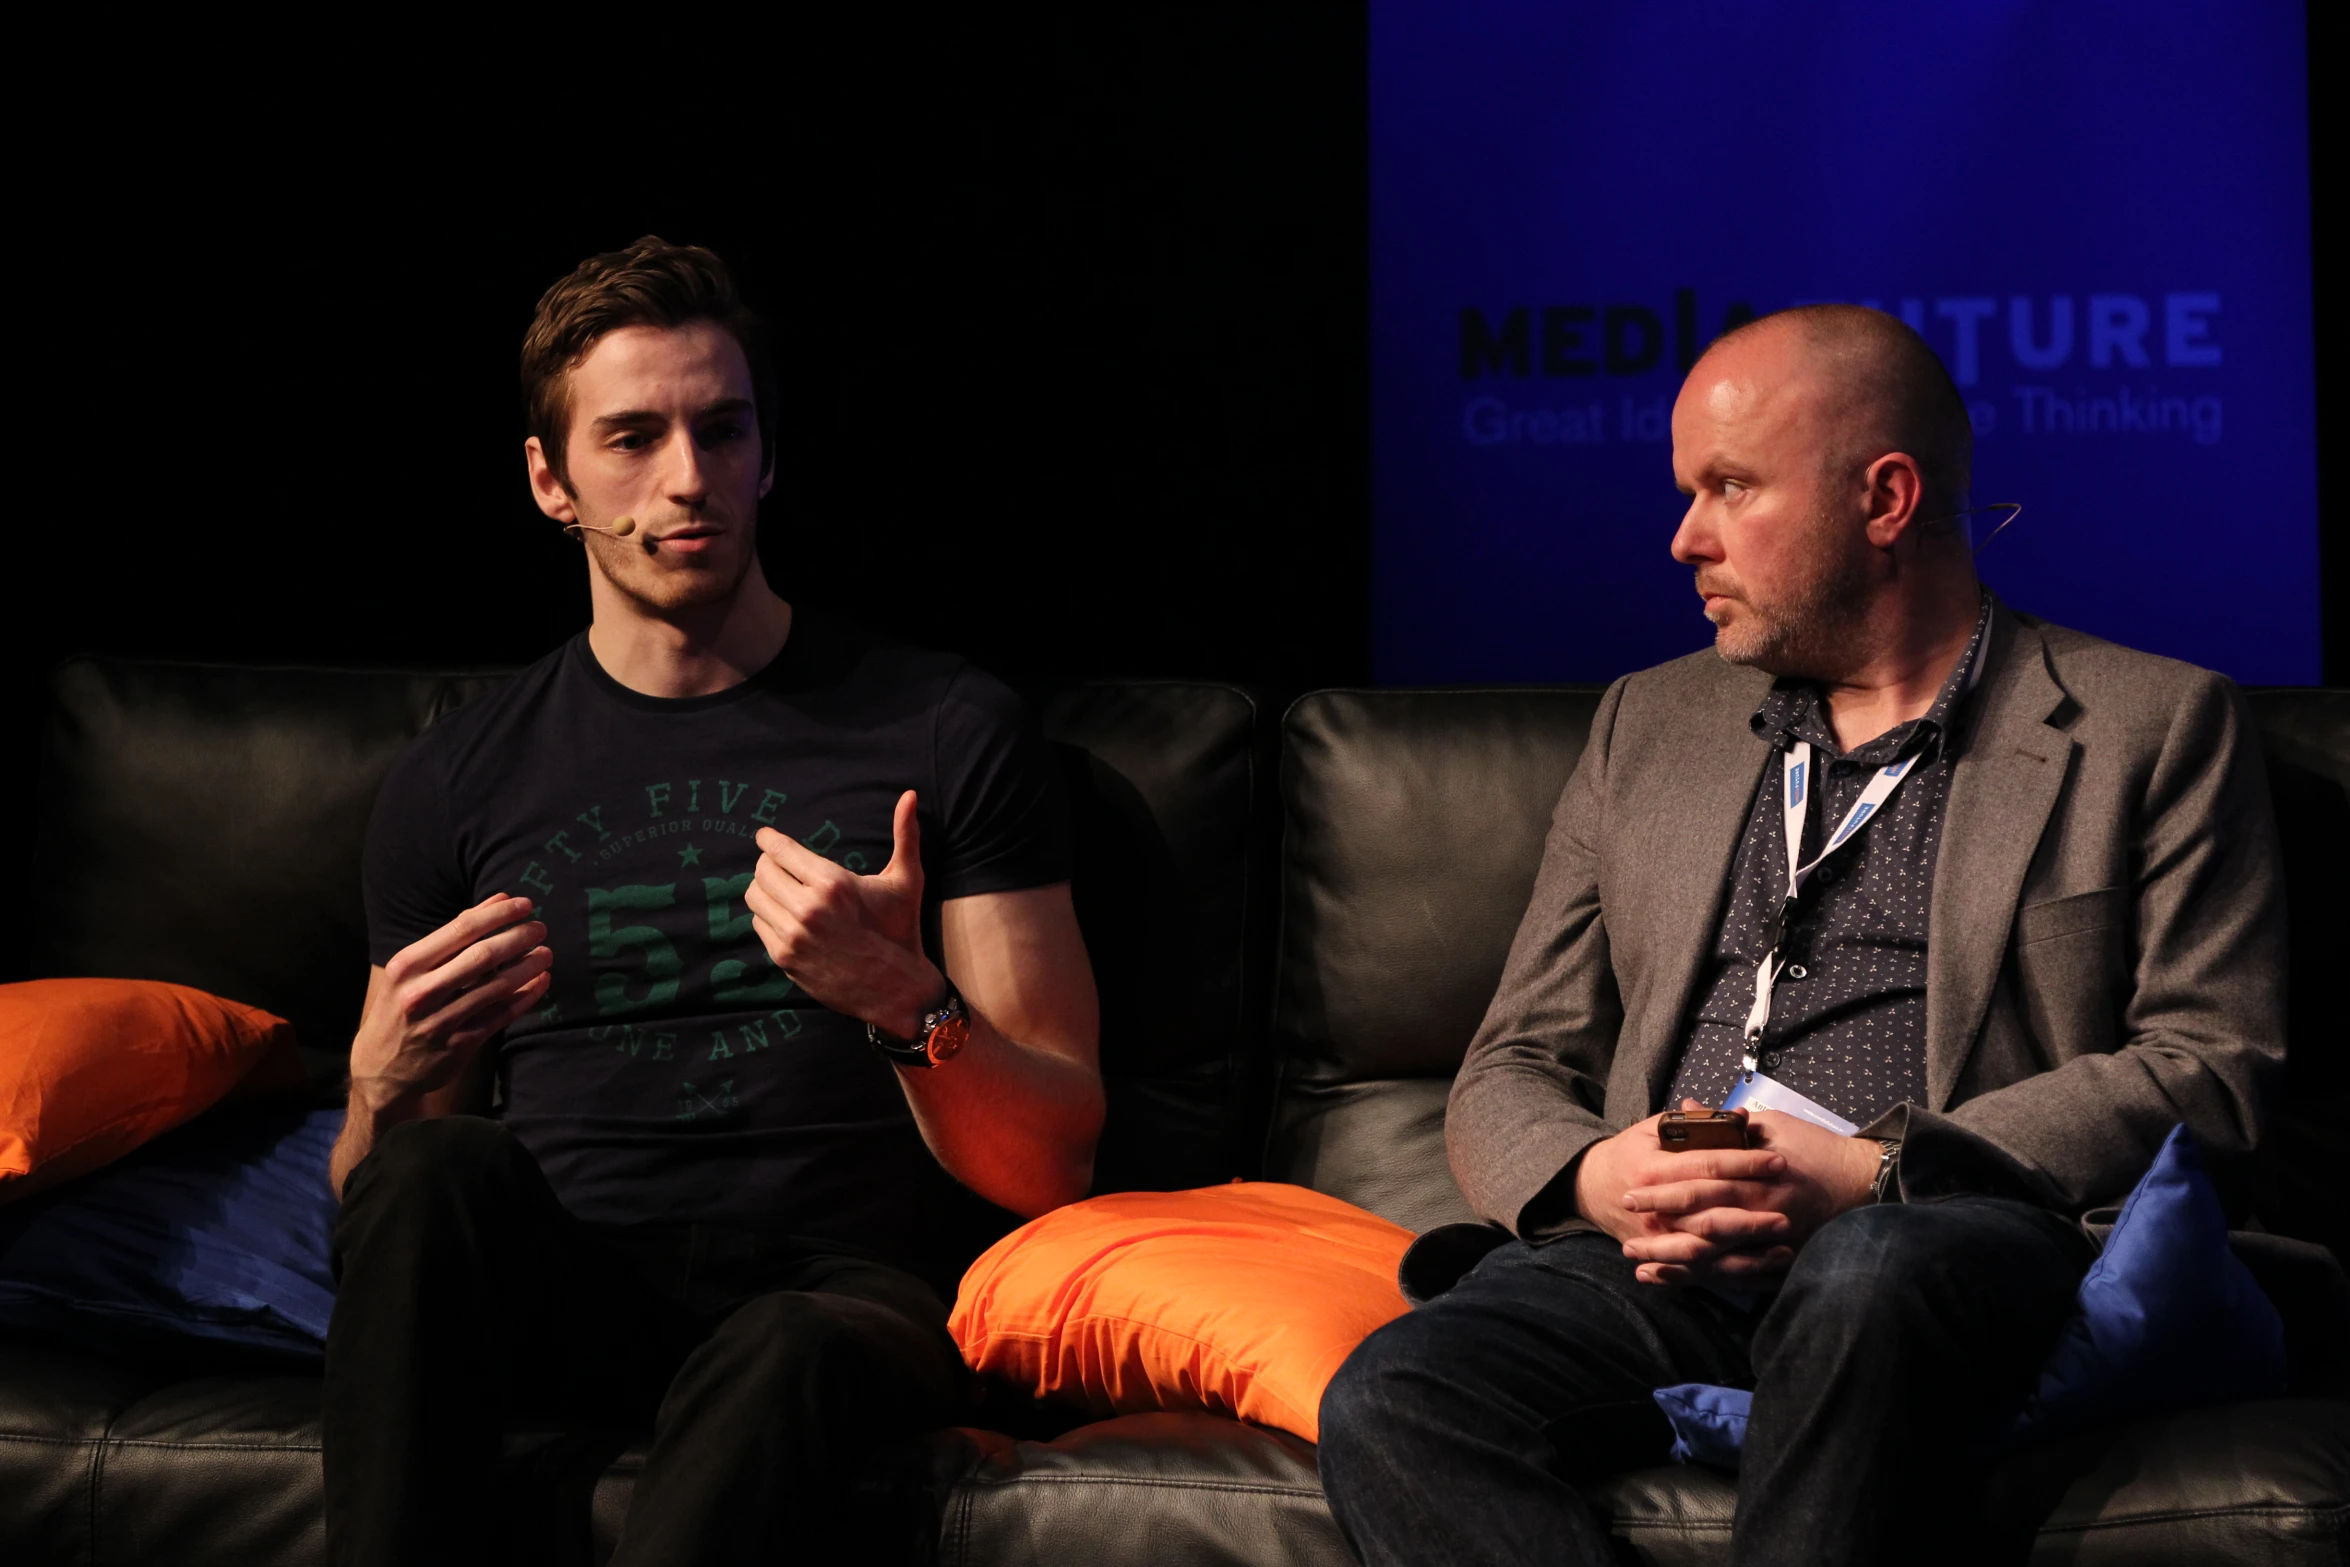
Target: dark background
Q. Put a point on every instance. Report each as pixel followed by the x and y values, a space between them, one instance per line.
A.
pixel 1074 304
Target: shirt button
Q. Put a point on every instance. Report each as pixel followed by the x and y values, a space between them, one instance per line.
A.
pixel 1798 971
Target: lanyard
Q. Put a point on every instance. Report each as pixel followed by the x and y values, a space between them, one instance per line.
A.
pixel 1797 778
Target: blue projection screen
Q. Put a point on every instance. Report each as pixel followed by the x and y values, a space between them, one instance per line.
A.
pixel 2097 213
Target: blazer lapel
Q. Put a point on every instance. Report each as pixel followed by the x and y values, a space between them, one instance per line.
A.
pixel 2009 773
pixel 1689 847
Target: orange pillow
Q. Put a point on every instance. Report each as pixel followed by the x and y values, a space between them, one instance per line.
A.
pixel 1240 1299
pixel 92 1068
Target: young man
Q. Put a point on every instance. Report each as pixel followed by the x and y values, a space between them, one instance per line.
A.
pixel 753 924
pixel 2034 917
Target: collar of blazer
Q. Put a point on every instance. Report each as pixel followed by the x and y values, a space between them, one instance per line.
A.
pixel 2011 766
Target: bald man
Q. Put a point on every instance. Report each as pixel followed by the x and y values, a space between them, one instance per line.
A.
pixel 2033 920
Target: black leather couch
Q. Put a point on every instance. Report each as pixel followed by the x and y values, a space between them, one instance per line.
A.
pixel 1296 927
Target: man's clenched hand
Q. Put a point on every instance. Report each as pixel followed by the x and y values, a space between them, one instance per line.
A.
pixel 853 942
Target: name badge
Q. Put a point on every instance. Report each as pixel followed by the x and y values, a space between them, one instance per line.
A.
pixel 1759 1091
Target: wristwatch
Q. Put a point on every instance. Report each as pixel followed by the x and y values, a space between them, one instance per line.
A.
pixel 1887 1186
pixel 945 1028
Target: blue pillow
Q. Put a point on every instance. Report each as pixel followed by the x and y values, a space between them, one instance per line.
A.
pixel 1709 1423
pixel 2169 1317
pixel 219 1232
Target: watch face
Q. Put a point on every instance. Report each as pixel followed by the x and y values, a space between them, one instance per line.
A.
pixel 946 1040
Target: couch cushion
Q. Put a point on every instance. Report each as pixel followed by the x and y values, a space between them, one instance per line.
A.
pixel 1170 814
pixel 1413 822
pixel 202 824
pixel 1172 1490
pixel 2261 1485
pixel 56 1405
pixel 215 1470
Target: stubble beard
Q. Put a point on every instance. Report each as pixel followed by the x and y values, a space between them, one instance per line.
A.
pixel 1807 634
pixel 664 594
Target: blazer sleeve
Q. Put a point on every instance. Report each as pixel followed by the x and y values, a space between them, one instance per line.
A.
pixel 1527 1100
pixel 2201 1035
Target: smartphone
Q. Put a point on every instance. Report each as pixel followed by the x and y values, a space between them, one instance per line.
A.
pixel 1682 1130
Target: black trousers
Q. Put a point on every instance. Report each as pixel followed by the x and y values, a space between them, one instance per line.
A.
pixel 773 1374
pixel 1900 1347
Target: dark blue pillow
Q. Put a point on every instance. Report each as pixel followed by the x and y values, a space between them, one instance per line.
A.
pixel 218 1232
pixel 2169 1318
pixel 1709 1423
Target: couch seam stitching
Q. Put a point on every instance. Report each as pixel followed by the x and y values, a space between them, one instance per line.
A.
pixel 215 1447
pixel 1266 1488
pixel 2134 1520
pixel 2244 1510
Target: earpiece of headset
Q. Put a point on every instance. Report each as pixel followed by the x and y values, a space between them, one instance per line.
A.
pixel 2014 509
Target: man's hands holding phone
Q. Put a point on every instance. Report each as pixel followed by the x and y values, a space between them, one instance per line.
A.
pixel 1731 1216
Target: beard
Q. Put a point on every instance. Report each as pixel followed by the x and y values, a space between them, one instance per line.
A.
pixel 677 589
pixel 1805 631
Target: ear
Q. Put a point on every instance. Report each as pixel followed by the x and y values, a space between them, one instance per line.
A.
pixel 545 486
pixel 1895 486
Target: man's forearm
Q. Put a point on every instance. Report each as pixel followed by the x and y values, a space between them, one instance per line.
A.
pixel 1014 1123
pixel 368 1114
pixel 374 1108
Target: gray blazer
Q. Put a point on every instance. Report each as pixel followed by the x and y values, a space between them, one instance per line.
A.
pixel 2106 947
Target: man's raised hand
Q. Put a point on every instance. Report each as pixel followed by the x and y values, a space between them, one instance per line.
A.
pixel 442 998
pixel 853 942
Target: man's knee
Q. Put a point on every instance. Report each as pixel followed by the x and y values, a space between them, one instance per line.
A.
pixel 812 1346
pixel 1876 1264
pixel 445 1163
pixel 1866 1250
pixel 1382 1384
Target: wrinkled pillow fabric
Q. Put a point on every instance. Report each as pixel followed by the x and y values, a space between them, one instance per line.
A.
pixel 219 1232
pixel 1709 1423
pixel 2168 1318
pixel 92 1068
pixel 1240 1300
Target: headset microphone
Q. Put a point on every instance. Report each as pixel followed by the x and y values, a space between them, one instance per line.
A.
pixel 621 528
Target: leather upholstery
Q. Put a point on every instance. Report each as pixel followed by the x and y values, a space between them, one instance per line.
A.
pixel 218 1471
pixel 56 1406
pixel 1412 823
pixel 2250 1483
pixel 1174 1490
pixel 203 825
pixel 1165 796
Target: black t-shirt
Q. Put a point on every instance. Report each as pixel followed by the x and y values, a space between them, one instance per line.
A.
pixel 674 1075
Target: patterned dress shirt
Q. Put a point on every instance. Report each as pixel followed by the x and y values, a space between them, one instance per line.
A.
pixel 1848 1014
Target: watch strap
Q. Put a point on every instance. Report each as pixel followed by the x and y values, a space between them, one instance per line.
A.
pixel 1887 1186
pixel 943 1021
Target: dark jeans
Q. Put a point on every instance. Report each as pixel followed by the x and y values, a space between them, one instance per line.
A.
pixel 1902 1342
pixel 771 1373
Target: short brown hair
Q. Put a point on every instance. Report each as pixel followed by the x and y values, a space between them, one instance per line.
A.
pixel 651 283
